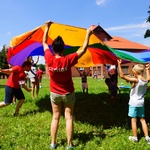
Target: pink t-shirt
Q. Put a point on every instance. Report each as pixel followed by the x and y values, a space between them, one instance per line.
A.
pixel 18 75
pixel 60 72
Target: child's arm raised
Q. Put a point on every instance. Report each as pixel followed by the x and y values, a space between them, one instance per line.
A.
pixel 121 74
pixel 147 72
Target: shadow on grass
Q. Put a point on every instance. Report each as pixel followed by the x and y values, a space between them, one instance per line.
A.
pixel 2 85
pixel 88 136
pixel 84 137
pixel 43 105
pixel 98 109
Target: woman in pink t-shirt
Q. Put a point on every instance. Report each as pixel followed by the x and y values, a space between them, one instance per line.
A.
pixel 61 84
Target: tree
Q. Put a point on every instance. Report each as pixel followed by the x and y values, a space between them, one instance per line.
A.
pixel 147 33
pixel 3 60
pixel 42 67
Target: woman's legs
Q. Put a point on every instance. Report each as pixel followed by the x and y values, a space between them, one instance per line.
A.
pixel 55 121
pixel 37 87
pixel 33 89
pixel 69 122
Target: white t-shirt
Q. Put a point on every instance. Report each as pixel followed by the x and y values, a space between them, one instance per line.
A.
pixel 32 73
pixel 137 94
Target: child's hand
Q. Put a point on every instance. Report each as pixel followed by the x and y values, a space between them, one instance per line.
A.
pixel 119 61
pixel 48 23
pixel 147 66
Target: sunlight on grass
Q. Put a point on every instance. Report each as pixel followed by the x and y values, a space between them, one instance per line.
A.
pixel 98 125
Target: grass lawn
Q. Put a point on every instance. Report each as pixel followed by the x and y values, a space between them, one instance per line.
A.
pixel 98 125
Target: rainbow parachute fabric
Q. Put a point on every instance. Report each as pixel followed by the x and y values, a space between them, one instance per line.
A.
pixel 30 44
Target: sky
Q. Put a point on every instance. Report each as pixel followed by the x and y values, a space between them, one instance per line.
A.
pixel 124 18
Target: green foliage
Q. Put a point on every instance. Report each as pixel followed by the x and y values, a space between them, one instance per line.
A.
pixel 147 33
pixel 98 124
pixel 3 60
pixel 42 66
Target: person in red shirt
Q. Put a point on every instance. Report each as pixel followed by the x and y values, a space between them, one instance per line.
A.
pixel 39 75
pixel 61 84
pixel 15 81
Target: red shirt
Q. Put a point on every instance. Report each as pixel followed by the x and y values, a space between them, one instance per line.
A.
pixel 60 72
pixel 17 75
pixel 39 73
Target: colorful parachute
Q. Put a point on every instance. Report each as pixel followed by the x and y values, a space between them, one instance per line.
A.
pixel 30 44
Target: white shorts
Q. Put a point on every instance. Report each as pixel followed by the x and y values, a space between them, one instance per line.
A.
pixel 66 99
pixel 32 79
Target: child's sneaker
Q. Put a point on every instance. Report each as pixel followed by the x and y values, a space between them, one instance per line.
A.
pixel 53 146
pixel 148 140
pixel 69 148
pixel 133 139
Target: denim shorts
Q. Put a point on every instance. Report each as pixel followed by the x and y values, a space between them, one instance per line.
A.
pixel 66 99
pixel 10 92
pixel 136 112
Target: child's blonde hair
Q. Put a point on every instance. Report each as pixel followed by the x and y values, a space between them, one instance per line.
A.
pixel 138 68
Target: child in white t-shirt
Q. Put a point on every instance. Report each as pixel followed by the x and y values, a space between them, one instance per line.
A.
pixel 136 101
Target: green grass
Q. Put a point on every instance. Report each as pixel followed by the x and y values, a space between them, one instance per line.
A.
pixel 98 125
